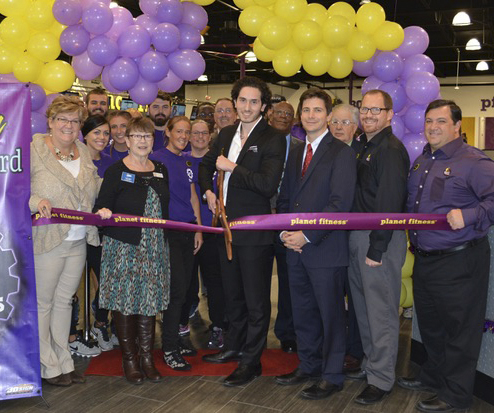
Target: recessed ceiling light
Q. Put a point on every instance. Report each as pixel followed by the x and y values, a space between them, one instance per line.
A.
pixel 481 66
pixel 461 19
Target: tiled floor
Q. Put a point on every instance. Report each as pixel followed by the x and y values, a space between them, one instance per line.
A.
pixel 208 395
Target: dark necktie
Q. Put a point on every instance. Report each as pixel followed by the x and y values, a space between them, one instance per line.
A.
pixel 308 158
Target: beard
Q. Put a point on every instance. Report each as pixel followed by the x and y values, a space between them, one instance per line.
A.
pixel 159 120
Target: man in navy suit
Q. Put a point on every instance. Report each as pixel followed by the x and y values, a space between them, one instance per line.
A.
pixel 320 176
pixel 252 155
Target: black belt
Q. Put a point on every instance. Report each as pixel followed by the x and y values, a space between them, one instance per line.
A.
pixel 461 247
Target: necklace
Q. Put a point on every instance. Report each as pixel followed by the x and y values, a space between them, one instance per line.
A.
pixel 62 157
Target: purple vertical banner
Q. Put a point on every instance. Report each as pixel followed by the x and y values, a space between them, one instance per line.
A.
pixel 19 345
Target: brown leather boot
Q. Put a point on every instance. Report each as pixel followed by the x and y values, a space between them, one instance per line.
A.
pixel 127 336
pixel 145 334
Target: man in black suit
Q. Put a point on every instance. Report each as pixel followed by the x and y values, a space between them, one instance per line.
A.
pixel 320 176
pixel 252 155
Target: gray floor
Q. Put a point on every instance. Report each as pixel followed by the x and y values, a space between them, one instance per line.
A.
pixel 208 395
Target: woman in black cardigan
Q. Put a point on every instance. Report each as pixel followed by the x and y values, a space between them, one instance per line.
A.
pixel 135 269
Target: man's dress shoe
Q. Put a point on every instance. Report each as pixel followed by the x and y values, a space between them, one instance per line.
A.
pixel 434 405
pixel 297 376
pixel 411 383
pixel 320 390
pixel 356 375
pixel 243 374
pixel 224 356
pixel 371 395
pixel 351 364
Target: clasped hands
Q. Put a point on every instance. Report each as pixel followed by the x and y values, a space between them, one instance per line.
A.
pixel 293 240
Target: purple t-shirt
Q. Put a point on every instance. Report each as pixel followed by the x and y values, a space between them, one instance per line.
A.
pixel 103 163
pixel 180 208
pixel 114 154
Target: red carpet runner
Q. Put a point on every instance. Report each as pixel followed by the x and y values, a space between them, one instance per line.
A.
pixel 274 362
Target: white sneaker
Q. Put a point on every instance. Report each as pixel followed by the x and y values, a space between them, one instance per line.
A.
pixel 114 340
pixel 100 334
pixel 81 347
pixel 408 312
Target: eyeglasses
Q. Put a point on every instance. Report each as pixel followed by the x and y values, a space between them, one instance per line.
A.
pixel 223 111
pixel 283 112
pixel 203 133
pixel 374 111
pixel 344 122
pixel 73 122
pixel 137 137
pixel 205 115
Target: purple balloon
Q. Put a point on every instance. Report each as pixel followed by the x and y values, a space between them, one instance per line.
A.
pixel 85 68
pixel 48 101
pixel 398 126
pixel 67 12
pixel 122 19
pixel 87 3
pixel 149 23
pixel 397 93
pixel 422 87
pixel 363 69
pixel 188 63
pixel 194 15
pixel 190 37
pixel 123 73
pixel 38 123
pixel 74 40
pixel 38 96
pixel 170 11
pixel 416 41
pixel 97 18
pixel 166 37
pixel 149 7
pixel 417 63
pixel 153 66
pixel 8 78
pixel 371 83
pixel 171 83
pixel 414 142
pixel 143 92
pixel 106 81
pixel 402 112
pixel 134 42
pixel 414 118
pixel 102 50
pixel 387 66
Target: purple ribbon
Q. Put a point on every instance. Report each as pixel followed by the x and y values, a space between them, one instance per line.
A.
pixel 313 220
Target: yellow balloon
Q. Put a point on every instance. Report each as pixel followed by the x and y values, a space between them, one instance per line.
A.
pixel 341 64
pixel 57 28
pixel 204 2
pixel 262 52
pixel 40 15
pixel 291 10
pixel 336 31
pixel 316 61
pixel 15 32
pixel 317 13
pixel 307 34
pixel 275 33
pixel 403 294
pixel 369 17
pixel 407 269
pixel 361 46
pixel 57 76
pixel 8 57
pixel 389 36
pixel 252 18
pixel 287 61
pixel 341 8
pixel 264 3
pixel 27 68
pixel 44 46
pixel 243 4
pixel 14 7
pixel 407 282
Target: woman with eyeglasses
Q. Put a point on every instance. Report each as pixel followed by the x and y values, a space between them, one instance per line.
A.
pixel 62 176
pixel 184 207
pixel 135 270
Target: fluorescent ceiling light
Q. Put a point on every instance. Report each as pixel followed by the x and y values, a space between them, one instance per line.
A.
pixel 203 78
pixel 461 19
pixel 481 66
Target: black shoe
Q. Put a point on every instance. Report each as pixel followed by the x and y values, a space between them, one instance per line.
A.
pixel 356 375
pixel 434 404
pixel 371 395
pixel 297 376
pixel 411 383
pixel 243 374
pixel 186 348
pixel 320 390
pixel 223 356
pixel 175 361
pixel 289 346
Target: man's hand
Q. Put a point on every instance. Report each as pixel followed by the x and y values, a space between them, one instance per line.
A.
pixel 211 199
pixel 224 164
pixel 455 219
pixel 294 240
pixel 372 263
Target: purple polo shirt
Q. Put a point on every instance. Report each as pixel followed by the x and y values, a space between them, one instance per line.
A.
pixel 180 208
pixel 103 163
pixel 456 176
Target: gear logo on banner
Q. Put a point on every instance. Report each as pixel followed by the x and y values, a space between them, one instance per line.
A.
pixel 9 284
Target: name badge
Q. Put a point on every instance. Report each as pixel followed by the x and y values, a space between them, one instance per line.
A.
pixel 157 174
pixel 127 177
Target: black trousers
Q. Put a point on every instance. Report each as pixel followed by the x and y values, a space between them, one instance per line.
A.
pixel 181 266
pixel 93 258
pixel 450 295
pixel 247 286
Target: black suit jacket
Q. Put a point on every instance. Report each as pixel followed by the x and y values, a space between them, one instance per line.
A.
pixel 327 186
pixel 254 180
